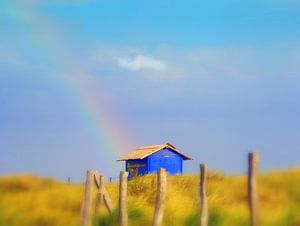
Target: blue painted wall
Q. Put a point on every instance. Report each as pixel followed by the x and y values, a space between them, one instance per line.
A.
pixel 165 158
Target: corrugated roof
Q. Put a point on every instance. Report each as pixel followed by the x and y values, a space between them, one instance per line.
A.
pixel 145 151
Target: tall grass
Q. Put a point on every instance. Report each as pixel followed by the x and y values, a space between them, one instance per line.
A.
pixel 27 200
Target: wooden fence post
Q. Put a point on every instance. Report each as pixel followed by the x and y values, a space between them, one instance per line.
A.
pixel 100 193
pixel 123 216
pixel 99 181
pixel 161 197
pixel 107 202
pixel 203 198
pixel 87 200
pixel 253 159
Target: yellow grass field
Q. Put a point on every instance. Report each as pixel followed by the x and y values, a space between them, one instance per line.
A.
pixel 27 200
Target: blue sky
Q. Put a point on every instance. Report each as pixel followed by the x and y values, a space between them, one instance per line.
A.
pixel 216 79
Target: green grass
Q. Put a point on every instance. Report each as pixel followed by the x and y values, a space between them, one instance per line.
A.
pixel 32 201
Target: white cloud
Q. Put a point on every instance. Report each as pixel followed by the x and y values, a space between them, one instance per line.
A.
pixel 141 62
pixel 198 65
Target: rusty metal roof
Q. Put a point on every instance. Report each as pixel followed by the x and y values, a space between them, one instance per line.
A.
pixel 145 151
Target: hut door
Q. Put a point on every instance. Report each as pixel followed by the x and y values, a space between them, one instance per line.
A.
pixel 134 172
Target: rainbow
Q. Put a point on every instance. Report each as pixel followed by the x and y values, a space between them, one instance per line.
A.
pixel 82 89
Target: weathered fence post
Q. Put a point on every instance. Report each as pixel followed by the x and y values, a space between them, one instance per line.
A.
pixel 87 200
pixel 203 198
pixel 123 216
pixel 253 159
pixel 161 197
pixel 100 193
pixel 99 181
pixel 107 201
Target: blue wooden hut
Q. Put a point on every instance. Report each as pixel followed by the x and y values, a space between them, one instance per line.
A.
pixel 149 159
